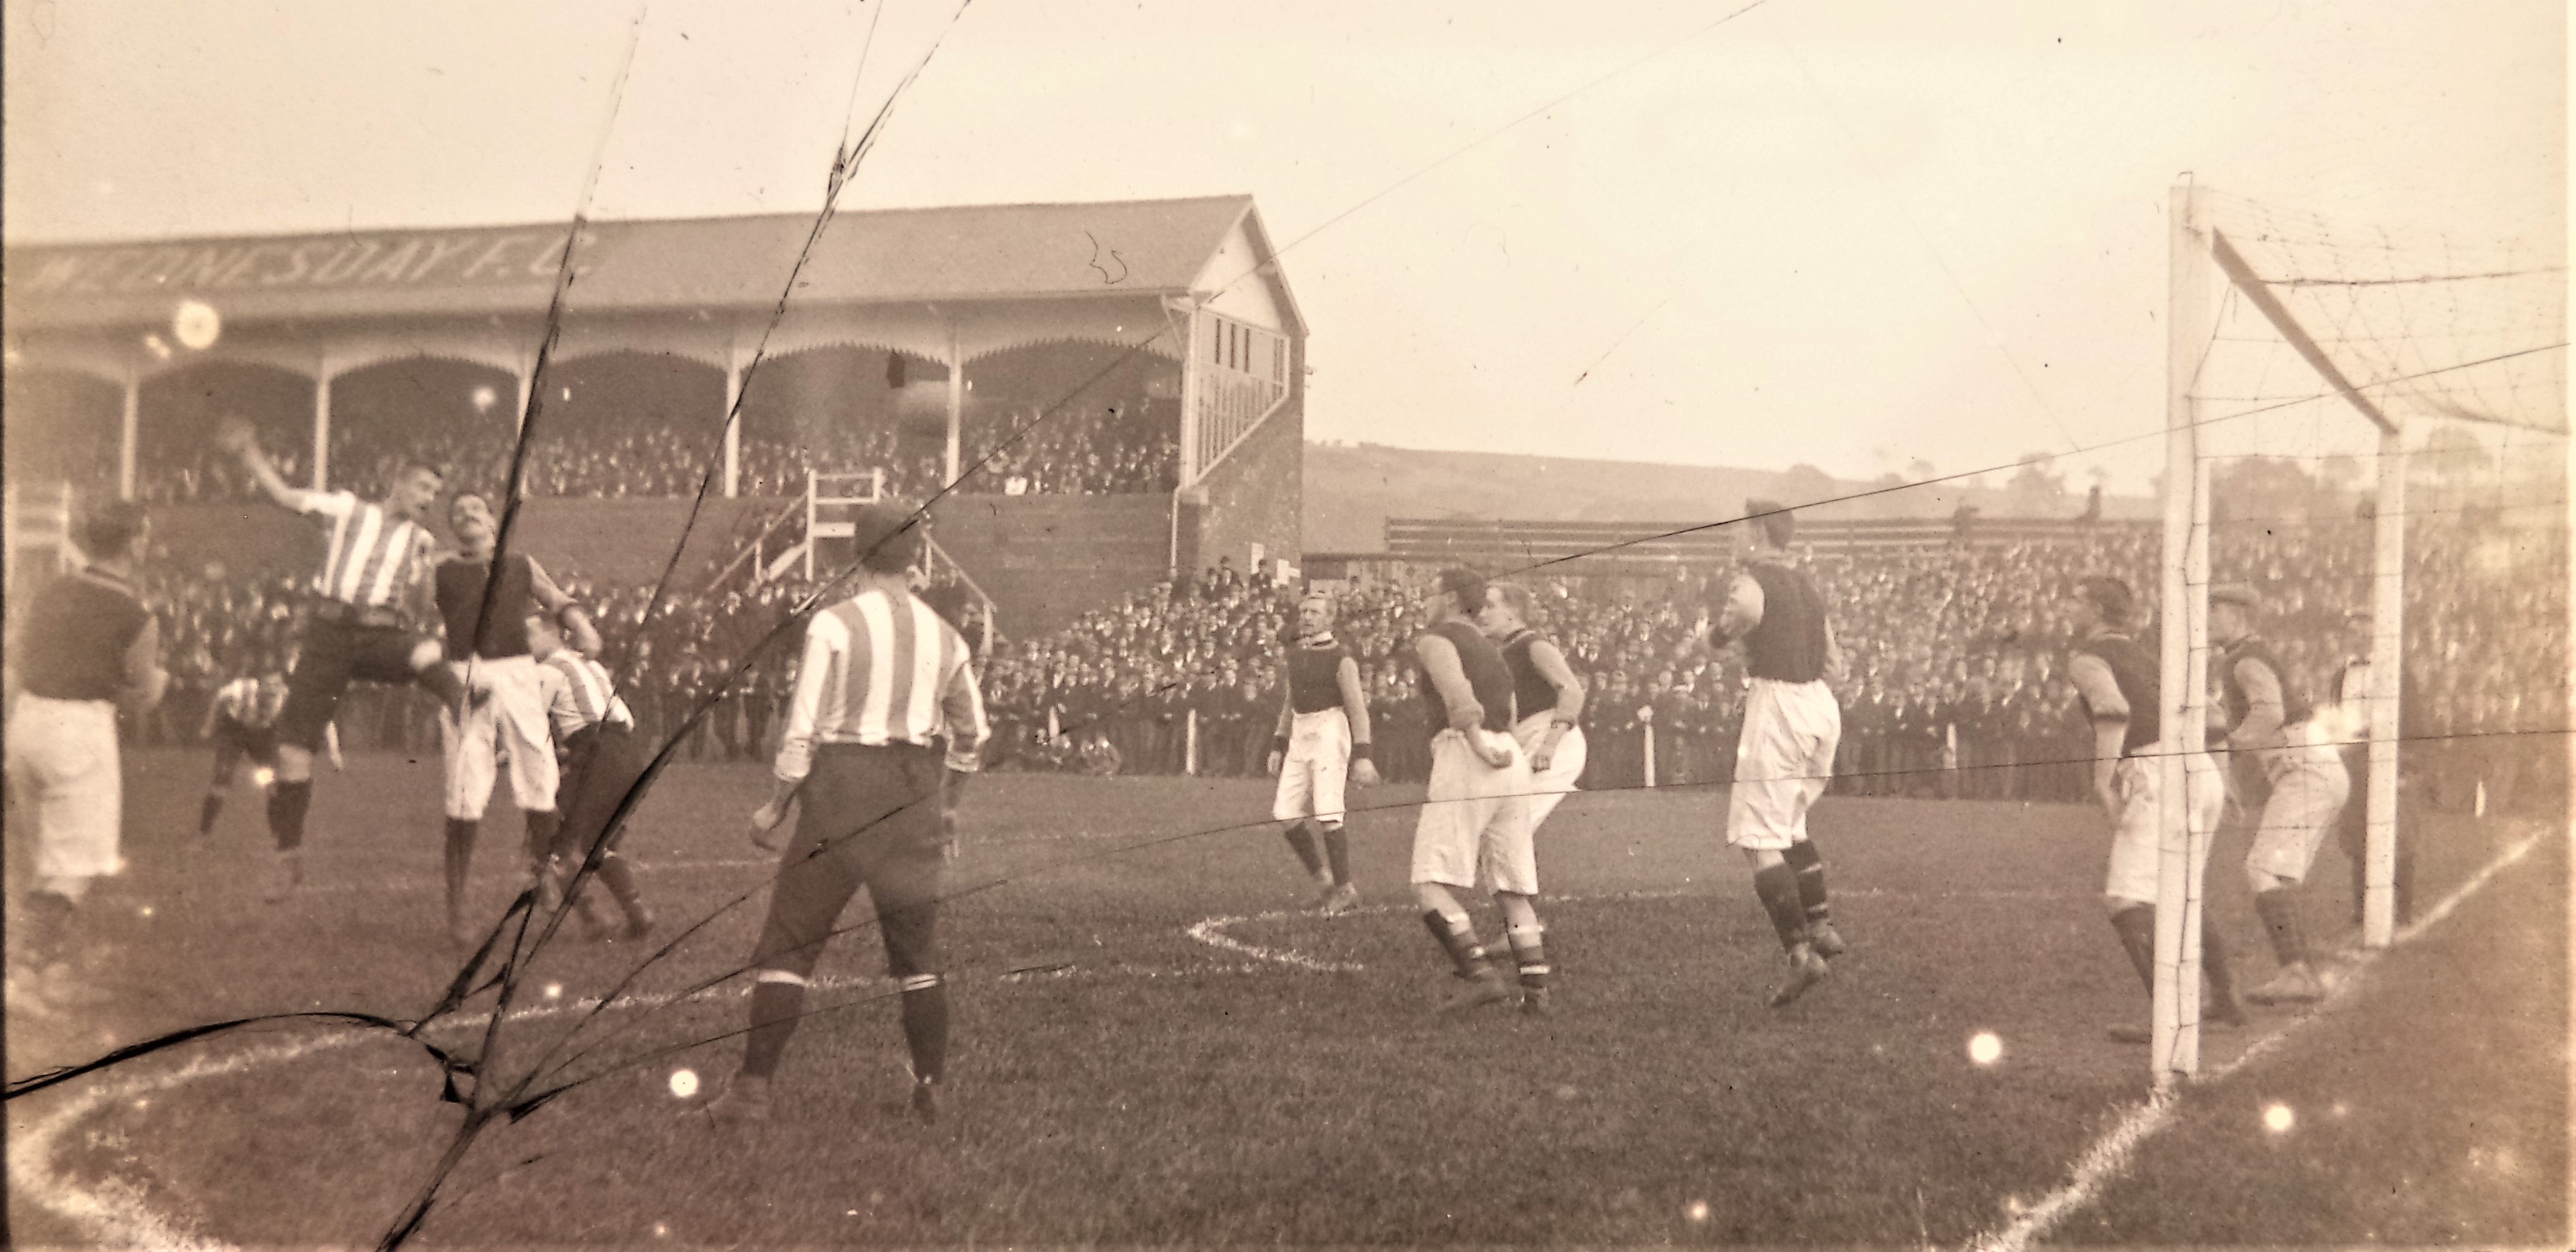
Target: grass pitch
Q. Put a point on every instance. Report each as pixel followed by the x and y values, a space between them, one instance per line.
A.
pixel 1155 1044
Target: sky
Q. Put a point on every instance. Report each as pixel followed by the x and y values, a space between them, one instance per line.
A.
pixel 1866 235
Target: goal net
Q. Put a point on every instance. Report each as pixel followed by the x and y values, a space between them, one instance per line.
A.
pixel 2366 446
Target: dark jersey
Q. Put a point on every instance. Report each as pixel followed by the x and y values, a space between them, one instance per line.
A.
pixel 76 636
pixel 1315 675
pixel 1487 676
pixel 2295 706
pixel 1788 644
pixel 1531 691
pixel 2137 674
pixel 460 599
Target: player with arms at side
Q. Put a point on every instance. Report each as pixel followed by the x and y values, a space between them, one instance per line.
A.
pixel 600 759
pixel 2119 682
pixel 241 721
pixel 1547 694
pixel 884 728
pixel 491 653
pixel 1475 811
pixel 2270 739
pixel 85 646
pixel 370 591
pixel 1791 727
pixel 1322 740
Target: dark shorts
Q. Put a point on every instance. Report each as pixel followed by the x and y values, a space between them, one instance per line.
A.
pixel 868 817
pixel 333 655
pixel 600 765
pixel 235 742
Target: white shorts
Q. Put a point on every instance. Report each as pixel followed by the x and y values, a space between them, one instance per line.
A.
pixel 2308 795
pixel 1549 787
pixel 63 775
pixel 1475 818
pixel 2136 843
pixel 1314 769
pixel 513 720
pixel 1782 763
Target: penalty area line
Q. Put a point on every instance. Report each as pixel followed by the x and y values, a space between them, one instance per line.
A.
pixel 2107 1157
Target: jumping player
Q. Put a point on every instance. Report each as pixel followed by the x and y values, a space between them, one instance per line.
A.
pixel 491 654
pixel 599 759
pixel 241 721
pixel 2118 681
pixel 368 596
pixel 1547 694
pixel 882 684
pixel 1323 737
pixel 1475 812
pixel 2269 736
pixel 1791 727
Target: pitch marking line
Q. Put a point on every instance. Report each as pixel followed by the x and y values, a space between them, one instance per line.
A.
pixel 2109 1155
pixel 116 1217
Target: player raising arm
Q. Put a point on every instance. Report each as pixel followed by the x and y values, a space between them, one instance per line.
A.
pixel 1323 738
pixel 367 598
pixel 1786 755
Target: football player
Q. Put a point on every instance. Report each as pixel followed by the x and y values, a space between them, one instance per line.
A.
pixel 1547 694
pixel 241 721
pixel 599 760
pixel 1322 739
pixel 1792 726
pixel 2119 683
pixel 1475 811
pixel 2269 738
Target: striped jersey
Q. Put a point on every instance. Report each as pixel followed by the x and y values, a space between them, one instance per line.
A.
pixel 373 557
pixel 579 694
pixel 249 703
pixel 882 668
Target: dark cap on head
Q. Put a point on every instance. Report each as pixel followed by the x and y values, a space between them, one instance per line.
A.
pixel 884 538
pixel 1778 524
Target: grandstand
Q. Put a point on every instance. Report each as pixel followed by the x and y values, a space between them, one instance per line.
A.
pixel 1118 384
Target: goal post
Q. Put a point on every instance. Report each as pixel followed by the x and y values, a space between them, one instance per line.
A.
pixel 2429 336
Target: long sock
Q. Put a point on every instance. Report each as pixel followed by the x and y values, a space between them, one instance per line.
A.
pixel 925 1025
pixel 1529 949
pixel 459 859
pixel 2213 960
pixel 2279 910
pixel 47 922
pixel 2136 926
pixel 209 811
pixel 1777 887
pixel 775 1002
pixel 1303 840
pixel 1810 864
pixel 1457 937
pixel 444 682
pixel 542 825
pixel 1337 854
pixel 619 877
pixel 287 805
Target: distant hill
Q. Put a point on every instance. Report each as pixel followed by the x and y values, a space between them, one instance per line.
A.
pixel 1352 489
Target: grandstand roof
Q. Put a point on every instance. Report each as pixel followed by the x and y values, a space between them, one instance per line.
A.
pixel 963 253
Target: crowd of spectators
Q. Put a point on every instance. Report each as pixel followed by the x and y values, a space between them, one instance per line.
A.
pixel 1955 682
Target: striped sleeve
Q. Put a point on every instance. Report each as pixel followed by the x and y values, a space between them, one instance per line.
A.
pixel 817 671
pixel 961 705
